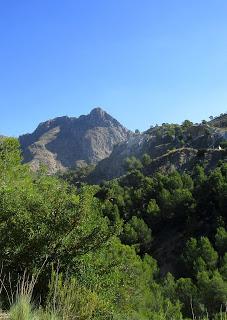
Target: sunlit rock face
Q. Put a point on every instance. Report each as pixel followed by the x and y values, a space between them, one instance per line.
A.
pixel 66 142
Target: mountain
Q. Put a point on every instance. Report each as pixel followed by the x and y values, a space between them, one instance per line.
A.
pixel 99 139
pixel 67 142
pixel 170 146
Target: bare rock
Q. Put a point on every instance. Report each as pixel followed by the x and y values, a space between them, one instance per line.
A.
pixel 65 142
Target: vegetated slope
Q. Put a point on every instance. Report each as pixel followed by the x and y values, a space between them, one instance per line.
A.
pixel 62 236
pixel 101 240
pixel 180 220
pixel 68 142
pixel 219 122
pixel 170 146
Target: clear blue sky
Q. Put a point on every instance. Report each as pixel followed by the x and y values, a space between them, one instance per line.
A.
pixel 143 61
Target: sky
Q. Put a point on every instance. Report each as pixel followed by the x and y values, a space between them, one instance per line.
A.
pixel 143 61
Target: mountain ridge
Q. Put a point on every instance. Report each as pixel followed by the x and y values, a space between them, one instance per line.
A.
pixel 98 139
pixel 170 147
pixel 65 142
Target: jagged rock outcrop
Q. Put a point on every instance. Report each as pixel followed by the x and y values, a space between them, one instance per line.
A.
pixel 66 142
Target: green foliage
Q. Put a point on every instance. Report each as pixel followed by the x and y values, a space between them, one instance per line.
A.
pixel 187 293
pixel 213 290
pixel 78 175
pixel 136 232
pixel 194 206
pixel 68 299
pixel 99 239
pixel 132 164
pixel 153 209
pixel 28 211
pixel 221 240
pixel 146 160
pixel 200 255
pixel 46 223
pixel 21 310
pixel 10 155
pixel 187 124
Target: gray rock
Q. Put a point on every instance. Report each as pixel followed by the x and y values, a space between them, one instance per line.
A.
pixel 66 142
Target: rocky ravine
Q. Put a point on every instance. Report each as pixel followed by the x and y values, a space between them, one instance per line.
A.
pixel 66 142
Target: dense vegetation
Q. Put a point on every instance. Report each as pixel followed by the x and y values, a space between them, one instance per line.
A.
pixel 180 219
pixel 92 247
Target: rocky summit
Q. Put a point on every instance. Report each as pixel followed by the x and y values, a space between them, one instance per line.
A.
pixel 99 139
pixel 67 142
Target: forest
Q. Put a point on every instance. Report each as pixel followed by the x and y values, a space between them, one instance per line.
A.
pixel 139 247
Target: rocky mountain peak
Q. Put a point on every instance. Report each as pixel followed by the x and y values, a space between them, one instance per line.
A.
pixel 65 142
pixel 100 117
pixel 98 112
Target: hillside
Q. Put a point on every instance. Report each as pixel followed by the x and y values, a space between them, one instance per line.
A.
pixel 219 122
pixel 148 245
pixel 66 142
pixel 170 146
pixel 98 139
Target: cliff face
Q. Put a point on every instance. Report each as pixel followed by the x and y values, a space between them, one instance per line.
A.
pixel 66 142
